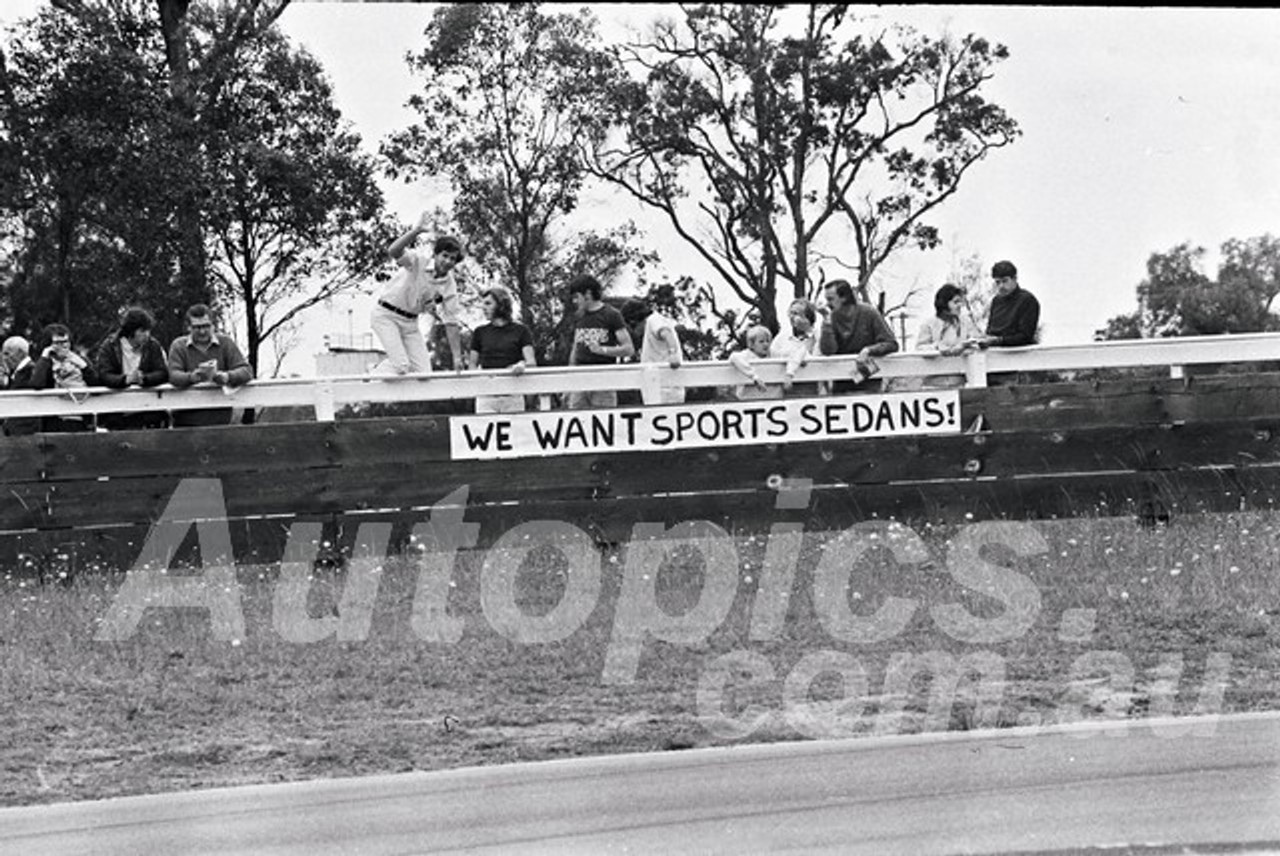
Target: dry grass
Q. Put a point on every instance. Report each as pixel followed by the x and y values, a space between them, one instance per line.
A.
pixel 172 709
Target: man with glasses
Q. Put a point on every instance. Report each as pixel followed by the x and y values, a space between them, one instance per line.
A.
pixel 60 367
pixel 426 285
pixel 204 356
pixel 1015 313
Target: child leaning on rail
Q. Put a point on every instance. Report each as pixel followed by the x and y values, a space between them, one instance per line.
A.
pixel 797 346
pixel 758 339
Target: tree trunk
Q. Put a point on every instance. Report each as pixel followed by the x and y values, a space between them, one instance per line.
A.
pixel 192 260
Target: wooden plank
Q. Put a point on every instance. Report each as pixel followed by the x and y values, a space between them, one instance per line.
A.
pixel 289 447
pixel 1211 398
pixel 317 491
pixel 918 458
pixel 1166 495
pixel 284 448
pixel 417 483
pixel 183 452
pixel 1153 496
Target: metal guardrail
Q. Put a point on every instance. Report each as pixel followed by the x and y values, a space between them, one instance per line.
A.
pixel 327 394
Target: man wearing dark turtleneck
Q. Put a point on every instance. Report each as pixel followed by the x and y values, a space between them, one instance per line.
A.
pixel 1015 312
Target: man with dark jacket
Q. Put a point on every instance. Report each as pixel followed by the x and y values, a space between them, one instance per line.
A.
pixel 855 329
pixel 130 357
pixel 1015 313
pixel 18 369
pixel 60 367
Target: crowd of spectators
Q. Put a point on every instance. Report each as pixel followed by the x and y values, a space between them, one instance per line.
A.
pixel 601 335
pixel 128 357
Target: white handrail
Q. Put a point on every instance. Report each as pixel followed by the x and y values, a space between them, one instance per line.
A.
pixel 327 394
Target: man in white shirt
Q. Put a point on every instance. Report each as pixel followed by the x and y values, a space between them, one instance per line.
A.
pixel 425 285
pixel 659 343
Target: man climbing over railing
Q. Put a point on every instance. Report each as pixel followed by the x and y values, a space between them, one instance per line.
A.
pixel 425 285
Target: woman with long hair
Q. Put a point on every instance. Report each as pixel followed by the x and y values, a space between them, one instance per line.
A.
pixel 948 332
pixel 503 343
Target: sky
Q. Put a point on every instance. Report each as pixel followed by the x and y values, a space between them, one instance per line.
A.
pixel 1143 128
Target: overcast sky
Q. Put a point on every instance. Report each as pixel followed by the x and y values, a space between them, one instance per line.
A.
pixel 1143 128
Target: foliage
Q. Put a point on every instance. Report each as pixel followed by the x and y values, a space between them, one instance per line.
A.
pixel 195 62
pixel 112 166
pixel 797 140
pixel 1178 299
pixel 90 172
pixel 294 211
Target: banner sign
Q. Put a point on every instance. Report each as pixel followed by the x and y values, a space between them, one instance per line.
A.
pixel 695 426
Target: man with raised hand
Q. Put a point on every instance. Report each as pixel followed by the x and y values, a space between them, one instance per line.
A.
pixel 425 285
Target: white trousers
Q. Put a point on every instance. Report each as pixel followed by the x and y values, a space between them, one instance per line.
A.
pixel 403 341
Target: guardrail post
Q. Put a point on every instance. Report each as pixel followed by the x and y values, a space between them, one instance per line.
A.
pixel 975 369
pixel 324 401
pixel 650 383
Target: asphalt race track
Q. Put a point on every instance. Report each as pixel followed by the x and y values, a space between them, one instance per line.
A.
pixel 1119 788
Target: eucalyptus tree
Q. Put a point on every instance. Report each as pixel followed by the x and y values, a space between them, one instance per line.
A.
pixel 772 138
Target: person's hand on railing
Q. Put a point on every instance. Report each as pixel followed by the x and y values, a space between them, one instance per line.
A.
pixel 957 350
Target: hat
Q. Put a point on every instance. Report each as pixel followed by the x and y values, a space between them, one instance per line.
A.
pixel 1002 269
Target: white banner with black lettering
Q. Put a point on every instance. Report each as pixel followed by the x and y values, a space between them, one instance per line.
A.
pixel 694 426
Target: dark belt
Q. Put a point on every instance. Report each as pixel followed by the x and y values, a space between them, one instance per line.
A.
pixel 396 309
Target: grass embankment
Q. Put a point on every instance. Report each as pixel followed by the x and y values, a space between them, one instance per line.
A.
pixel 171 708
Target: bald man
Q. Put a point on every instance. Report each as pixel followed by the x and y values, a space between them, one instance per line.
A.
pixel 16 355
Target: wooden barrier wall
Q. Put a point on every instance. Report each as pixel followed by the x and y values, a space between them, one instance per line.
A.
pixel 1150 448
